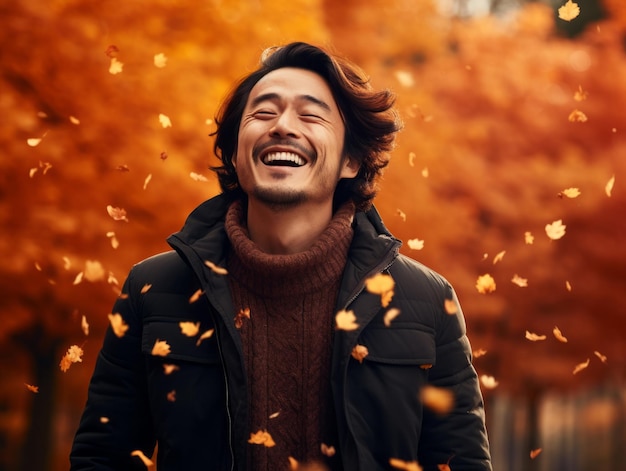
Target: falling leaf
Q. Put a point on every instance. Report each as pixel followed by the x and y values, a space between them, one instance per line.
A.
pixel 215 268
pixel 402 214
pixel 161 348
pixel 479 353
pixel 165 120
pixel 190 329
pixel 262 437
pixel 383 285
pixel 74 354
pixel 104 420
pixel 163 155
pixel 32 172
pixel 84 325
pixel 581 366
pixel 405 78
pixel 600 356
pixel 569 11
pixel 327 450
pixel 528 238
pixel 450 306
pixel 117 214
pixel 114 242
pixel 580 94
pixel 568 286
pixel 426 366
pixel 425 172
pixel 168 368
pixel 34 141
pixel 74 120
pixel 171 396
pixel 439 400
pixel 160 60
pixel 443 467
pixel 405 465
pixel 112 51
pixel 577 116
pixel 559 336
pixel 571 192
pixel 274 415
pixel 241 317
pixel 112 280
pixel 488 382
pixel 147 180
pixel 519 281
pixel 31 388
pixel 556 229
pixel 390 315
pixel 198 177
pixel 123 168
pixel 115 67
pixel 118 325
pixel 144 459
pixel 145 288
pixel 293 464
pixel 534 453
pixel 608 189
pixel 93 271
pixel 78 278
pixel 412 159
pixel 195 296
pixel 534 337
pixel 205 335
pixel 485 284
pixel 359 352
pixel 67 263
pixel 415 244
pixel 499 256
pixel 346 320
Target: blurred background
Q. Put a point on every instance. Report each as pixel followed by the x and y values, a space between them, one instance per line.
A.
pixel 514 120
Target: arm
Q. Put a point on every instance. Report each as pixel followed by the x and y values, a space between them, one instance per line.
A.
pixel 116 419
pixel 459 437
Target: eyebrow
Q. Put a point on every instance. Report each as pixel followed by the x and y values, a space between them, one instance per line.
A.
pixel 275 96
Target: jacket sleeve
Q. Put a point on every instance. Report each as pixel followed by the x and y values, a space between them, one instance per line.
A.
pixel 458 438
pixel 116 420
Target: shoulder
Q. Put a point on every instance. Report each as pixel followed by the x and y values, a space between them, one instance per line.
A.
pixel 165 271
pixel 409 272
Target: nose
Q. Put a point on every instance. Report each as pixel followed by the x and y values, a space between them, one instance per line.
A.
pixel 286 125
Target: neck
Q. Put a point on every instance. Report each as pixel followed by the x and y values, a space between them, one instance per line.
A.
pixel 286 230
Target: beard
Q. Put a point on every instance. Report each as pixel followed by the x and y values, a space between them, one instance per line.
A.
pixel 279 199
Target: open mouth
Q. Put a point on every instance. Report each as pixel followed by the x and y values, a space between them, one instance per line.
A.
pixel 288 159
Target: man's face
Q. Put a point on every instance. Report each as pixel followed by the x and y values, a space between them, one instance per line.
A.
pixel 291 139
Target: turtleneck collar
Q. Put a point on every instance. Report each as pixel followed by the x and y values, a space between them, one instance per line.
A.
pixel 272 275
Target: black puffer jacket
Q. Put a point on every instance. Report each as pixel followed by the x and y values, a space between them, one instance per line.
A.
pixel 379 413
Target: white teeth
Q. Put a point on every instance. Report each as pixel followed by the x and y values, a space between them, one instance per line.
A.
pixel 284 157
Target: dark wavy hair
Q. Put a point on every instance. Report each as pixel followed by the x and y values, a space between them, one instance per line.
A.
pixel 369 116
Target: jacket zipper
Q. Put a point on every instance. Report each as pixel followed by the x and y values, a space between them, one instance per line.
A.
pixel 230 420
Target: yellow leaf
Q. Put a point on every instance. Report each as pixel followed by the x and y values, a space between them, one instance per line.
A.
pixel 580 94
pixel 568 286
pixel 390 315
pixel 147 180
pixel 402 214
pixel 415 244
pixel 405 78
pixel 93 271
pixel 145 288
pixel 450 306
pixel 488 382
pixel 160 60
pixel 161 348
pixel 190 329
pixel 556 229
pixel 144 459
pixel 165 120
pixel 425 172
pixel 215 268
pixel 74 354
pixel 569 11
pixel 571 192
pixel 205 335
pixel 198 177
pixel 479 353
pixel 74 120
pixel 293 464
pixel 534 337
pixel 195 296
pixel 168 368
pixel 359 352
pixel 609 186
pixel 115 67
pixel 383 285
pixel 600 356
pixel 519 281
pixel 485 284
pixel 241 317
pixel 104 420
pixel 528 238
pixel 499 257
pixel 84 325
pixel 559 336
pixel 581 366
pixel 346 320
pixel 262 437
pixel 118 214
pixel 117 324
pixel 34 141
pixel 327 450
pixel 577 116
pixel 405 465
pixel 412 159
pixel 439 400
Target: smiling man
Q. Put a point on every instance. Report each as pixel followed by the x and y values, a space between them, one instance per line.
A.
pixel 253 372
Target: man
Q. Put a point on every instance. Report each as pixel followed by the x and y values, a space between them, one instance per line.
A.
pixel 262 341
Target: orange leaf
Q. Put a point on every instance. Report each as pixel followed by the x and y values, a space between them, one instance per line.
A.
pixel 262 437
pixel 241 317
pixel 84 325
pixel 205 335
pixel 32 388
pixel 74 354
pixel 609 186
pixel 171 396
pixel 571 192
pixel 451 306
pixel 519 281
pixel 600 356
pixel 405 465
pixel 559 336
pixel 346 320
pixel 117 324
pixel 528 238
pixel 195 296
pixel 485 284
pixel 415 244
pixel 534 453
pixel 439 400
pixel 145 460
pixel 118 214
pixel 488 381
pixel 577 116
pixel 161 348
pixel 499 256
pixel 479 353
pixel 190 329
pixel 165 120
pixel 390 315
pixel 556 229
pixel 534 337
pixel 359 352
pixel 569 11
pixel 381 284
pixel 327 450
pixel 168 368
pixel 581 366
pixel 215 268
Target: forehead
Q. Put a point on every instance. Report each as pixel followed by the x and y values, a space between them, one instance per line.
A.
pixel 293 83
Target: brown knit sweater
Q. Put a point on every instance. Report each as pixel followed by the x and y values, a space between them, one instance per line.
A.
pixel 287 341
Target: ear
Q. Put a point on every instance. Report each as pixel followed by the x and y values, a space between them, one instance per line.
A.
pixel 350 167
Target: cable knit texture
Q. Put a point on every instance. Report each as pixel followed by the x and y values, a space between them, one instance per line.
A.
pixel 288 340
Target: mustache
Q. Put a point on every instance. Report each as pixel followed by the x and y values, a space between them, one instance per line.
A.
pixel 259 148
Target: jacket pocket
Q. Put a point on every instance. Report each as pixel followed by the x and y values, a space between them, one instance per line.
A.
pixel 181 346
pixel 399 346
